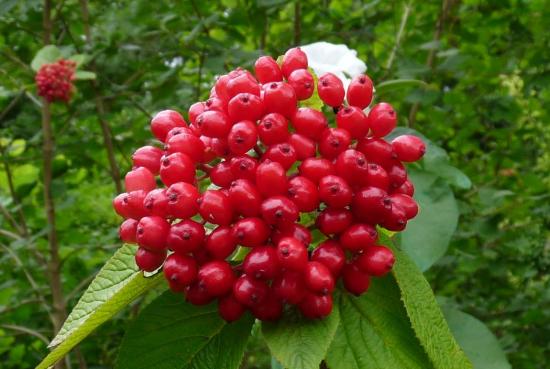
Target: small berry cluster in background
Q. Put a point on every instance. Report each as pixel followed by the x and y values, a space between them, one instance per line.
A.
pixel 267 163
pixel 55 80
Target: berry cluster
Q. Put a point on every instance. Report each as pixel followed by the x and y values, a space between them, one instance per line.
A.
pixel 55 80
pixel 265 162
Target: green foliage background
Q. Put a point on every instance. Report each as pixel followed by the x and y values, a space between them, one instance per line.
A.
pixel 487 103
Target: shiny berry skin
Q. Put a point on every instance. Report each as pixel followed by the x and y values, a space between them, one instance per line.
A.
pixel 279 211
pixel 177 167
pixel 334 221
pixel 330 254
pixel 315 306
pixel 216 278
pixel 214 123
pixel 371 205
pixel 358 237
pixel 215 103
pixel 267 70
pixel 220 243
pixel 180 271
pixel 244 167
pixel 262 263
pixel 360 91
pixel 396 220
pixel 309 122
pixel 351 165
pixel 221 174
pixel 273 129
pixel 245 106
pixel 164 121
pixel 293 59
pixel 316 168
pixel 335 192
pixel 269 310
pixel 333 142
pixel 376 177
pixel 245 197
pixel 303 192
pixel 382 119
pixel 148 157
pixel 242 137
pixel 250 232
pixel 185 236
pixel 292 254
pixel 289 287
pixel 302 82
pixel 355 280
pixel 282 153
pixel 230 309
pixel 318 278
pixel 296 230
pixel 197 295
pixel 152 233
pixel 250 291
pixel 331 90
pixel 408 148
pixel 271 179
pixel 186 143
pixel 407 188
pixel 353 120
pixel 182 200
pixel 405 202
pixel 376 150
pixel 219 147
pixel 279 97
pixel 127 231
pixel 140 179
pixel 215 207
pixel 132 204
pixel 376 260
pixel 243 83
pixel 396 173
pixel 120 204
pixel 303 146
pixel 195 110
pixel 149 261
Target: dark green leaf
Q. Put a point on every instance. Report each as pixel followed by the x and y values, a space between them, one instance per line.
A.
pixel 48 54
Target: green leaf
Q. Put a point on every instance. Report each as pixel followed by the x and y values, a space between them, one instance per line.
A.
pixel 477 341
pixel 425 315
pixel 397 84
pixel 80 59
pixel 427 236
pixel 84 75
pixel 178 335
pixel 375 332
pixel 48 54
pixel 117 284
pixel 298 343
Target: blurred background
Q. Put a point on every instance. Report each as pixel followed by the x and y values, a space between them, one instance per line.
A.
pixel 486 102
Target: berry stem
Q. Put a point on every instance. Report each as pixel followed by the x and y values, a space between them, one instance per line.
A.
pixel 205 168
pixel 258 151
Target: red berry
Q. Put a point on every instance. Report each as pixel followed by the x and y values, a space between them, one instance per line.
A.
pixel 371 205
pixel 244 83
pixel 186 143
pixel 303 146
pixel 177 167
pixel 316 168
pixel 195 110
pixel 152 233
pixel 293 59
pixel 164 121
pixel 315 306
pixel 376 260
pixel 376 150
pixel 242 137
pixel 262 263
pixel 245 106
pixel 127 231
pixel 132 204
pixel 273 129
pixel 303 192
pixel 250 291
pixel 358 236
pixel 215 103
pixel 376 177
pixel 271 179
pixel 353 120
pixel 289 287
pixel 185 236
pixel 334 221
pixel 302 82
pixel 330 254
pixel 309 122
pixel 140 179
pixel 360 91
pixel 230 309
pixel 396 220
pixel 318 278
pixel 292 254
pixel 214 123
pixel 333 142
pixel 269 310
pixel 279 211
pixel 405 202
pixel 244 167
pixel 331 90
pixel 245 197
pixel 355 280
pixel 220 243
pixel 279 97
pixel 296 230
pixel 335 192
pixel 55 80
pixel 215 207
pixel 382 119
pixel 352 166
pixel 408 148
pixel 219 146
pixel 250 232
pixel 221 174
pixel 182 200
pixel 180 271
pixel 282 153
pixel 148 157
pixel 149 261
pixel 197 295
pixel 216 278
pixel 267 70
pixel 407 188
pixel 396 173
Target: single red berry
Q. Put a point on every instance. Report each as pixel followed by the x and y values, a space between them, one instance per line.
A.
pixel 303 192
pixel 221 86
pixel 197 295
pixel 293 59
pixel 407 188
pixel 279 97
pixel 132 203
pixel 273 129
pixel 195 110
pixel 355 280
pixel 318 278
pixel 244 167
pixel 269 310
pixel 215 103
pixel 213 123
pixel 220 243
pixel 302 82
pixel 376 177
pixel 376 260
pixel 396 173
pixel 309 122
pixel 335 192
pixel 244 83
pixel 292 253
pixel 250 232
pixel 140 179
pixel 315 306
pixel 221 174
pixel 148 157
pixel 304 146
pixel 405 202
pixel 382 119
pixel 296 230
pixel 182 200
pixel 216 278
pixel 230 309
pixel 164 121
pixel 289 287
pixel 396 220
pixel 331 90
pixel 271 179
pixel 186 143
pixel 353 120
pixel 316 168
pixel 262 263
pixel 376 150
pixel 358 236
pixel 371 205
pixel 279 211
pixel 360 91
pixel 245 197
pixel 245 106
pixel 330 254
pixel 215 207
pixel 149 261
pixel 242 137
pixel 267 70
pixel 185 236
pixel 352 166
pixel 282 153
pixel 333 142
pixel 219 146
pixel 127 231
pixel 250 291
pixel 180 271
pixel 177 167
pixel 152 233
pixel 334 221
pixel 408 148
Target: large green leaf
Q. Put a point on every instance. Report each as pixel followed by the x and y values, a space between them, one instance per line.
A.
pixel 299 343
pixel 427 236
pixel 48 54
pixel 425 315
pixel 375 332
pixel 171 333
pixel 477 341
pixel 116 285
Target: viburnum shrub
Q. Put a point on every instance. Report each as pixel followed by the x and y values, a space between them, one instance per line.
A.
pixel 55 80
pixel 228 202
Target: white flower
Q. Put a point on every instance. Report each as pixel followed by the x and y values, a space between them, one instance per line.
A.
pixel 339 59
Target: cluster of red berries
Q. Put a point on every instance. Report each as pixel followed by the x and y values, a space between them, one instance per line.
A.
pixel 55 80
pixel 265 161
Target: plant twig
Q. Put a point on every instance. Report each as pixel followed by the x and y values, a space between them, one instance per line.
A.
pixel 26 330
pixel 297 22
pixel 399 36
